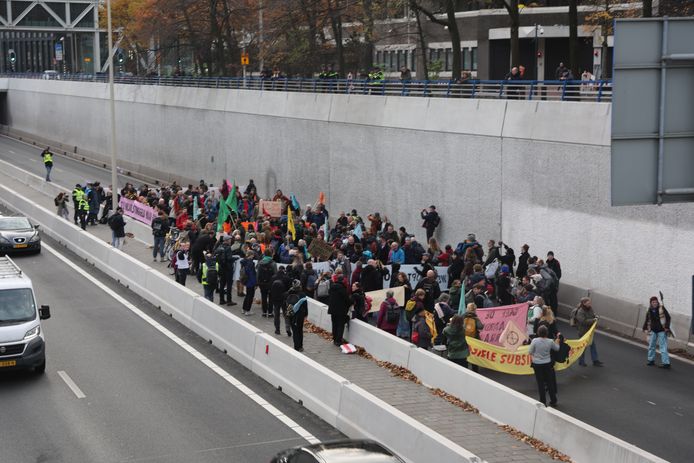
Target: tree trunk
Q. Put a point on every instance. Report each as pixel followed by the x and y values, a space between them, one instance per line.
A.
pixel 424 66
pixel 455 40
pixel 515 23
pixel 367 55
pixel 647 8
pixel 336 23
pixel 573 38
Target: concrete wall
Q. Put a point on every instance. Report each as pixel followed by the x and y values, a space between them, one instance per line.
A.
pixel 527 172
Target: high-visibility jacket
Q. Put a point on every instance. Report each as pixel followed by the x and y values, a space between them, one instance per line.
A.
pixel 77 194
pixel 204 272
pixel 83 204
pixel 48 158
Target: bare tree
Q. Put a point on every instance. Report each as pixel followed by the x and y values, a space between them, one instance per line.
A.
pixel 448 7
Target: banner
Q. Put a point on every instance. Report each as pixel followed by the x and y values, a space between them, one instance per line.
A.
pixel 320 249
pixel 270 208
pixel 377 297
pixel 496 319
pixel 519 362
pixel 413 276
pixel 137 210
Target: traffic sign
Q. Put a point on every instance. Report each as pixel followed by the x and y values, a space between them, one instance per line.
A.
pixel 244 59
pixel 59 51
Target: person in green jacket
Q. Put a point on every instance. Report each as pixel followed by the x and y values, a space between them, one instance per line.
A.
pixel 458 350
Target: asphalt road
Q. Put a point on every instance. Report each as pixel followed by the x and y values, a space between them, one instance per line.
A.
pixel 147 399
pixel 649 407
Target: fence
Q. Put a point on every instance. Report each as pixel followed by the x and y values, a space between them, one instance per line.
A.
pixel 552 90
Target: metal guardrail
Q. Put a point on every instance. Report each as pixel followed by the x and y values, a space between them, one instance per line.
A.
pixel 552 90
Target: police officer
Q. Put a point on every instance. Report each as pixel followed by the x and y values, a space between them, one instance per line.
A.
pixel 83 207
pixel 77 194
pixel 47 161
pixel 209 276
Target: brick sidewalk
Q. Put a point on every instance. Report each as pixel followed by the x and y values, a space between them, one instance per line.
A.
pixel 469 430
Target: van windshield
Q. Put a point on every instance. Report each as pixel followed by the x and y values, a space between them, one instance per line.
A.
pixel 16 306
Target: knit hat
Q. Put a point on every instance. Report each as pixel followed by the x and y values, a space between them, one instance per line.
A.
pixel 653 299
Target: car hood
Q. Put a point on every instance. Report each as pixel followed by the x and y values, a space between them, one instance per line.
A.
pixel 15 332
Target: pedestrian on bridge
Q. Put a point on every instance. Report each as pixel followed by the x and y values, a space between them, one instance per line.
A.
pixel 585 317
pixel 657 325
pixel 47 162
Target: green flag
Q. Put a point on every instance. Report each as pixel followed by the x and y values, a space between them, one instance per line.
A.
pixel 462 307
pixel 232 201
pixel 222 216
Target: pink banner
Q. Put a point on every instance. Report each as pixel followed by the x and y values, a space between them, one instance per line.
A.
pixel 495 320
pixel 137 210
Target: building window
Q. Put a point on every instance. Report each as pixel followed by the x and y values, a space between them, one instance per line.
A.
pixel 473 59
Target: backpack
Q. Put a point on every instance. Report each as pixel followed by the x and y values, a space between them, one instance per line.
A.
pixel 212 276
pixel 562 355
pixel 277 289
pixel 56 201
pixel 392 313
pixel 470 327
pixel 265 273
pixel 323 288
pixel 311 282
pixel 409 309
pixel 437 220
pixel 292 298
pixel 549 280
pixel 573 317
pixel 243 277
pixel 488 302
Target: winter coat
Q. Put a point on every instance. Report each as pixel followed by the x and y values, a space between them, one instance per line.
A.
pixel 251 276
pixel 382 321
pixel 338 299
pixel 420 326
pixel 584 320
pixel 456 343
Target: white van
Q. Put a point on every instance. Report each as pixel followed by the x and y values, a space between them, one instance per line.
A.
pixel 22 345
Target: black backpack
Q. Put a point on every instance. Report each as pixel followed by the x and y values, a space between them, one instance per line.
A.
pixel 561 355
pixel 292 298
pixel 212 276
pixel 392 313
pixel 265 273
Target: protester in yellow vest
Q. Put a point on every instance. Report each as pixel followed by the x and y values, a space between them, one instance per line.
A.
pixel 48 162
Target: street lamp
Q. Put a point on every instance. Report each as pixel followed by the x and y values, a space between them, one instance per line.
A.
pixel 112 105
pixel 541 31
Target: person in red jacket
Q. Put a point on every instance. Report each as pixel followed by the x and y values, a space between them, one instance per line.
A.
pixel 384 321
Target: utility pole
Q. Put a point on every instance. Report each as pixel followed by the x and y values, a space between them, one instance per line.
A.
pixel 261 59
pixel 112 107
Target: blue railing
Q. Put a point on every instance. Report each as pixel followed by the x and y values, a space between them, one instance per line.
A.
pixel 558 90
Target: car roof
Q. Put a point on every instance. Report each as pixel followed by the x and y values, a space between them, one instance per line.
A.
pixel 352 451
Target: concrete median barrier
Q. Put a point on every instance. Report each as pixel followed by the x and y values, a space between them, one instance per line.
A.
pixel 174 299
pixel 301 378
pixel 494 400
pixel 585 443
pixel 226 331
pixel 382 345
pixel 364 415
pixel 318 314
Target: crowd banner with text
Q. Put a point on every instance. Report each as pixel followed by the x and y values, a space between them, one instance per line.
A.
pixel 377 297
pixel 320 249
pixel 496 319
pixel 137 210
pixel 270 208
pixel 519 362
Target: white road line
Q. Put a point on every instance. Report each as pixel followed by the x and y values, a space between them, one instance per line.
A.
pixel 71 384
pixel 652 403
pixel 293 425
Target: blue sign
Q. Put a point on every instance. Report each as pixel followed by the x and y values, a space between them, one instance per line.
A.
pixel 58 51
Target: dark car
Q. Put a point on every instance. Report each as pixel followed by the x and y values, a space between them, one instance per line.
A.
pixel 17 234
pixel 344 451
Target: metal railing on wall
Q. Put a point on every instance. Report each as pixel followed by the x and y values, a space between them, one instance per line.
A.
pixel 548 90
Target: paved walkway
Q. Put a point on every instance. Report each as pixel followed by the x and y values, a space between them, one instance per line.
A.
pixel 469 430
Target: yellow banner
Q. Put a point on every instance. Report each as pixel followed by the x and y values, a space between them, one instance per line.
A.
pixel 519 362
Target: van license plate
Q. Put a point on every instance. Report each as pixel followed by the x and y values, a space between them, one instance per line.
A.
pixel 17 246
pixel 8 363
